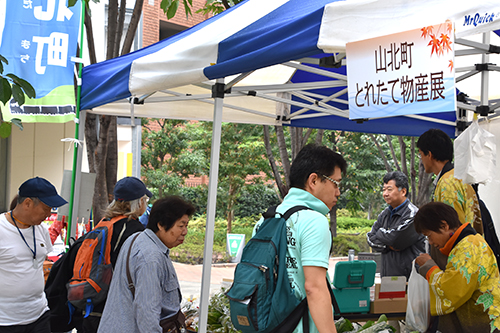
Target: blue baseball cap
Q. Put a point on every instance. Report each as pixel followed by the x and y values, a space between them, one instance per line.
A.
pixel 130 188
pixel 43 190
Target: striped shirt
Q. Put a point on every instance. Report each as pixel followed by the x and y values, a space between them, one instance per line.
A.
pixel 157 292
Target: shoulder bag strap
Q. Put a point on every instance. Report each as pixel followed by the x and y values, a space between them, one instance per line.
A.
pixel 293 210
pixel 129 277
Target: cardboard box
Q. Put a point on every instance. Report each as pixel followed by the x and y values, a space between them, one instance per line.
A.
pixel 389 305
pixel 392 287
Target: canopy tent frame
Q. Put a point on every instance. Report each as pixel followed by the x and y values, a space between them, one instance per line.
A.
pixel 304 103
pixel 219 98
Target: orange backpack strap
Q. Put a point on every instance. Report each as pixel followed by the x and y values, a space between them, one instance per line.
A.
pixel 109 224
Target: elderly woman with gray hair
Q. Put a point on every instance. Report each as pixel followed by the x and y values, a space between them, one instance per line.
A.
pixel 145 295
pixel 130 201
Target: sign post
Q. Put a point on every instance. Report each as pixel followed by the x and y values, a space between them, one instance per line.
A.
pixel 235 244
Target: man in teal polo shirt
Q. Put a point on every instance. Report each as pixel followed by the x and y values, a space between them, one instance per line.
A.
pixel 315 177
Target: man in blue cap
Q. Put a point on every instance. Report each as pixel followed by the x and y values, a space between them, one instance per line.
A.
pixel 24 245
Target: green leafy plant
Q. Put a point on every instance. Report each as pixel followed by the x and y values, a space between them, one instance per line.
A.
pixel 219 318
pixel 11 86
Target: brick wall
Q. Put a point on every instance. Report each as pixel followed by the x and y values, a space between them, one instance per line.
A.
pixel 150 23
pixel 180 17
pixel 153 14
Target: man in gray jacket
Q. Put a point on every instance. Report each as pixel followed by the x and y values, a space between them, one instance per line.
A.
pixel 393 233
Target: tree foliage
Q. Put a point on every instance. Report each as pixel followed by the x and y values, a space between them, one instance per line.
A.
pixel 242 155
pixel 166 158
pixel 365 170
pixel 12 86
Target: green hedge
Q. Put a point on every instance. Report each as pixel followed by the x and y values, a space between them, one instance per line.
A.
pixel 343 242
pixel 351 234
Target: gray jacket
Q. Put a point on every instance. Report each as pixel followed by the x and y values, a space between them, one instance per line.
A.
pixel 394 228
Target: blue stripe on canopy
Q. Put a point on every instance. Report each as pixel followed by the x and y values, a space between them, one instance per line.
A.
pixel 289 32
pixel 390 125
pixel 107 81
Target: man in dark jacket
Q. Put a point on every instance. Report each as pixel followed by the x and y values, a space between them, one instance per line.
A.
pixel 393 233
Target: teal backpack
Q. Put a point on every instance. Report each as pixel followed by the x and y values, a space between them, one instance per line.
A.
pixel 261 298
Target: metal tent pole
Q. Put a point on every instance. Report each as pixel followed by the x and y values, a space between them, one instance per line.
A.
pixel 485 75
pixel 77 154
pixel 218 94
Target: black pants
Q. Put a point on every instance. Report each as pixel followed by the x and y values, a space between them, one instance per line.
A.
pixel 41 325
pixel 90 324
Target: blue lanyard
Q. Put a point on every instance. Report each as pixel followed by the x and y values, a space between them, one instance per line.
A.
pixel 24 239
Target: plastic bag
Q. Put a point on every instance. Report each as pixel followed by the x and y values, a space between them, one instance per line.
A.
pixel 418 308
pixel 475 155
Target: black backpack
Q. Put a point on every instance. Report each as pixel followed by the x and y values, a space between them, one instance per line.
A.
pixel 61 320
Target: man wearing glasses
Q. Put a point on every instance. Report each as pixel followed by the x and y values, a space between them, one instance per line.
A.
pixel 24 245
pixel 393 233
pixel 315 177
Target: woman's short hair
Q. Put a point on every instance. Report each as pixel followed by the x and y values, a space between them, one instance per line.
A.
pixel 132 209
pixel 166 211
pixel 430 216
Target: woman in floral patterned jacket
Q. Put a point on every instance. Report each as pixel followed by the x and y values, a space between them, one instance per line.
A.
pixel 466 295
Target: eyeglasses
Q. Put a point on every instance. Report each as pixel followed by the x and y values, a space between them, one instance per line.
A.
pixel 336 182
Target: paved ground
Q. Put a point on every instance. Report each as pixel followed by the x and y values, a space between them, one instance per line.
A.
pixel 190 276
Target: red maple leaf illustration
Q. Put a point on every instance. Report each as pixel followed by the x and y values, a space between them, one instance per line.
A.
pixel 426 31
pixel 449 26
pixel 446 42
pixel 436 47
pixel 451 65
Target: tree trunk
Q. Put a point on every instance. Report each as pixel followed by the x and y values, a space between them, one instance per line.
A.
pixel 272 162
pixel 112 26
pixel 393 154
pixel 132 27
pixel 333 221
pixel 100 200
pixel 91 137
pixel 285 160
pixel 402 149
pixel 111 158
pixel 386 163
pixel 119 28
pixel 305 138
pixel 90 37
pixel 319 137
pixel 413 174
pixel 296 139
pixel 424 186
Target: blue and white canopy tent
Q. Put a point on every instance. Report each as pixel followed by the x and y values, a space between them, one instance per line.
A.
pixel 237 65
